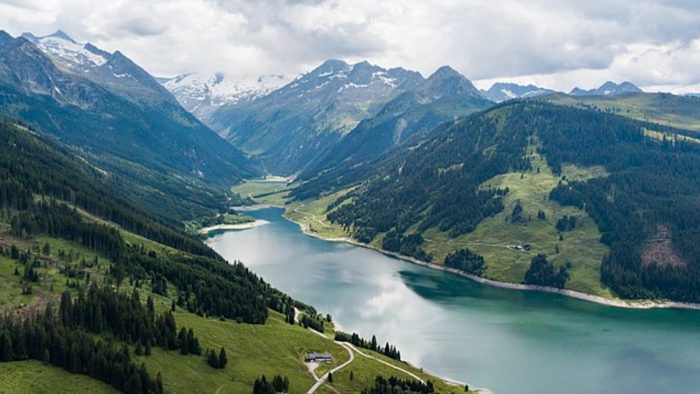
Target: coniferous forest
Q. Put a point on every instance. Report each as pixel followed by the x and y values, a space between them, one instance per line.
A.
pixel 44 191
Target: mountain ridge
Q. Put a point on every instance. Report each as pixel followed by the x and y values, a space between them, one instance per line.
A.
pixel 141 133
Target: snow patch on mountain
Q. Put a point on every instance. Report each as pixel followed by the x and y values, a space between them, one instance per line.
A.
pixel 67 52
pixel 202 94
pixel 503 91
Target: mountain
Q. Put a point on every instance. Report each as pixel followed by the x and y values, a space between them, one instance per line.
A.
pixel 202 94
pixel 113 71
pixel 502 91
pixel 529 178
pixel 291 126
pixel 609 88
pixel 117 116
pixel 443 96
pixel 445 81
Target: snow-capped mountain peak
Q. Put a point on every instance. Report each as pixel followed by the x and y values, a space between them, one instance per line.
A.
pixel 67 52
pixel 202 94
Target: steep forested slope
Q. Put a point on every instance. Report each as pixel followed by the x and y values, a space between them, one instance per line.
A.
pixel 133 128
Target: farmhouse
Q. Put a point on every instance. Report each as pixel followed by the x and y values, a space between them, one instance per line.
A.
pixel 318 357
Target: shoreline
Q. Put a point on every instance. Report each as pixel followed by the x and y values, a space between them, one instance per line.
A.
pixel 254 207
pixel 614 302
pixel 238 226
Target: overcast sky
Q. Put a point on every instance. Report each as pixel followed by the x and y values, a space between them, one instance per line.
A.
pixel 556 44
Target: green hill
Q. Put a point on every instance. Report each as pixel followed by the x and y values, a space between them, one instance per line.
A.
pixel 681 112
pixel 613 206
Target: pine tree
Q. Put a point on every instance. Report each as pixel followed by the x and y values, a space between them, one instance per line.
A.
pixel 222 358
pixel 139 349
pixel 46 249
pixel 212 360
pixel 182 341
pixel 159 383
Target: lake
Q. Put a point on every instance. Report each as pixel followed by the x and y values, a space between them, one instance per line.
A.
pixel 505 340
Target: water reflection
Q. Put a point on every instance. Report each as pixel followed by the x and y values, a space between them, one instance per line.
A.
pixel 509 341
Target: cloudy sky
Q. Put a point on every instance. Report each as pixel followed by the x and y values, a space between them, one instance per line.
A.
pixel 556 44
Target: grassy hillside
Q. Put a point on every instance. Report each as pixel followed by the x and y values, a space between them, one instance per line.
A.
pixel 682 112
pixel 492 237
pixel 612 199
pixel 253 349
pixel 268 192
pixel 36 377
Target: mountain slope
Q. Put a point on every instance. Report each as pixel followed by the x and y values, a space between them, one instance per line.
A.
pixel 292 125
pixel 427 199
pixel 201 95
pixel 502 91
pixel 443 96
pixel 125 124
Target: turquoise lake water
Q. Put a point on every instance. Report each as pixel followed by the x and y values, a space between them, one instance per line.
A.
pixel 508 341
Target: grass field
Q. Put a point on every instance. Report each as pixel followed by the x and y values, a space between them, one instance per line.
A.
pixel 312 216
pixel 253 350
pixel 672 137
pixel 38 378
pixel 581 247
pixel 270 192
pixel 671 110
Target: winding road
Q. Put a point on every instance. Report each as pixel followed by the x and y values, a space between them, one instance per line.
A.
pixel 351 350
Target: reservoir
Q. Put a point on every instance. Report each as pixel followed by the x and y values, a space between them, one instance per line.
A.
pixel 505 340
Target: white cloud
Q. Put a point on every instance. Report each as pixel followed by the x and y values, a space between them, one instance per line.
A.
pixel 558 44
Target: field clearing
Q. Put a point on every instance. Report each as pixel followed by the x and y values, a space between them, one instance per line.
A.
pixel 36 377
pixel 672 137
pixel 311 214
pixel 51 281
pixel 264 191
pixel 581 246
pixel 366 370
pixel 665 109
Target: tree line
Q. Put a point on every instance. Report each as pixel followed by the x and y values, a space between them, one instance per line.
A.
pixel 387 350
pixel 394 385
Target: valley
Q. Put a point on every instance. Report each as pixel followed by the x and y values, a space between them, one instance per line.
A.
pixel 309 197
